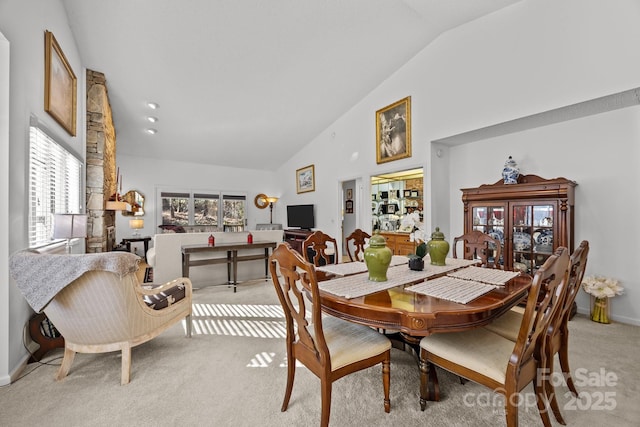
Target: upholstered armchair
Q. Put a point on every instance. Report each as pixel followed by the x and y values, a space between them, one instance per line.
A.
pixel 97 302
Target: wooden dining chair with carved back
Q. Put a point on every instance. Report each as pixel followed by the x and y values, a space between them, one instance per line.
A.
pixel 358 239
pixel 496 362
pixel 479 245
pixel 320 249
pixel 557 336
pixel 329 347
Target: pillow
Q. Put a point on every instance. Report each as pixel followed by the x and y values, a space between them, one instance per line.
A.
pixel 171 228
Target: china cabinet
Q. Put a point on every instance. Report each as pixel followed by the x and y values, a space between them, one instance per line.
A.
pixel 530 218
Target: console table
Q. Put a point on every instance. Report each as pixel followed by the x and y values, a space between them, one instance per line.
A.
pixel 232 259
pixel 296 237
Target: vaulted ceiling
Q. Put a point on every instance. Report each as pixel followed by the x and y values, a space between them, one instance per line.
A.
pixel 247 83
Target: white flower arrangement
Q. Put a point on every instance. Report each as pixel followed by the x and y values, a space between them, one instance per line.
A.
pixel 601 287
pixel 412 223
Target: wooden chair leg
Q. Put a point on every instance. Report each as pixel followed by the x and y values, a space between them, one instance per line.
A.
pixel 512 400
pixel 126 365
pixel 189 325
pixel 563 355
pixel 386 377
pixel 291 374
pixel 541 401
pixel 67 361
pixel 325 385
pixel 424 379
pixel 550 394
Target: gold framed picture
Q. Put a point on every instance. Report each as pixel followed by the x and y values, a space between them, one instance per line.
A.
pixel 393 131
pixel 349 193
pixel 60 85
pixel 306 179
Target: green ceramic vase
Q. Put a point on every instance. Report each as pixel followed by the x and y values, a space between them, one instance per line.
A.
pixel 438 247
pixel 377 257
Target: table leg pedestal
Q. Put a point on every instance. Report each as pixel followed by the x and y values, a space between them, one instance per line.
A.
pixel 47 343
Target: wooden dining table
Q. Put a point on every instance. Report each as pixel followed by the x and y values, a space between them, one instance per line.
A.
pixel 412 315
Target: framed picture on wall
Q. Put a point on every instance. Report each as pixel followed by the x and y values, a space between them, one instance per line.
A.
pixel 393 131
pixel 348 207
pixel 60 85
pixel 349 193
pixel 305 179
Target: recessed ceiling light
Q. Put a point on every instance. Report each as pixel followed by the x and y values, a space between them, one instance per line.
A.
pixel 151 131
pixel 152 119
pixel 152 105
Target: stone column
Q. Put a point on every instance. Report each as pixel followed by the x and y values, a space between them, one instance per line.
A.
pixel 101 164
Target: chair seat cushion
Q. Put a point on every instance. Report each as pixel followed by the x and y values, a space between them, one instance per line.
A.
pixel 480 350
pixel 165 298
pixel 507 325
pixel 349 342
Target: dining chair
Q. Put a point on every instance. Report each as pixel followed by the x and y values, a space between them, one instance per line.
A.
pixel 358 239
pixel 329 347
pixel 557 338
pixel 320 249
pixel 479 245
pixel 496 362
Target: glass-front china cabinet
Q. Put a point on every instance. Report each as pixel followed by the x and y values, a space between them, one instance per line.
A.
pixel 531 219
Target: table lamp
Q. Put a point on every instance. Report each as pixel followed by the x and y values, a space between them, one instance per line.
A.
pixel 136 224
pixel 271 201
pixel 69 226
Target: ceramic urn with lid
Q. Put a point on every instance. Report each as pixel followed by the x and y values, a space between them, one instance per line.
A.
pixel 510 172
pixel 377 257
pixel 437 247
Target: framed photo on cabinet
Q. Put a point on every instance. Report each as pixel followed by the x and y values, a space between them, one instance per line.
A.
pixel 393 131
pixel 305 179
pixel 60 85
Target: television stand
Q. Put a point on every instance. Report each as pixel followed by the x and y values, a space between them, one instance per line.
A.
pixel 295 237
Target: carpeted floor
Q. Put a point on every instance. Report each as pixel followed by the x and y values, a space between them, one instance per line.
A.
pixel 232 373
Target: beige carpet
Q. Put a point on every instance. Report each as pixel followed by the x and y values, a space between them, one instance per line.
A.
pixel 231 373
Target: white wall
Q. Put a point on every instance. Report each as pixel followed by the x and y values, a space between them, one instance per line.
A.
pixel 601 154
pixel 147 176
pixel 4 196
pixel 23 24
pixel 529 58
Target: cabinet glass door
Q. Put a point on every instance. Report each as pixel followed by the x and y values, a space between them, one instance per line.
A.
pixel 490 220
pixel 531 235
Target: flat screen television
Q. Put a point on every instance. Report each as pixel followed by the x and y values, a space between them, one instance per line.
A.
pixel 300 216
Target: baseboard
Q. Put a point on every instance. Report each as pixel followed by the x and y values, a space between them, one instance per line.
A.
pixel 16 372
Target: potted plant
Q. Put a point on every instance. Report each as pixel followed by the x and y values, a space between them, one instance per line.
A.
pixel 416 261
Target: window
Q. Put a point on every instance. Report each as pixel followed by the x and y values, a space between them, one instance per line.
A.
pixel 54 185
pixel 204 208
pixel 175 208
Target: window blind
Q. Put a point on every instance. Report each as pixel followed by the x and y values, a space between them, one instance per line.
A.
pixel 54 185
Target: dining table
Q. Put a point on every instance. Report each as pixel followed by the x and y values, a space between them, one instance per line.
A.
pixel 412 304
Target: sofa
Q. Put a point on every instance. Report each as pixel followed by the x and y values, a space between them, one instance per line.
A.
pixel 165 256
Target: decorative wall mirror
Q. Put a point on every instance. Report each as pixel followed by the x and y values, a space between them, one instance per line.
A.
pixel 136 200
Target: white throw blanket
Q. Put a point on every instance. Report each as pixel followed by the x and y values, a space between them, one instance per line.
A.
pixel 41 276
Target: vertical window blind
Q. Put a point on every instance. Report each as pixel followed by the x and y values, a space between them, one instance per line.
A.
pixel 54 185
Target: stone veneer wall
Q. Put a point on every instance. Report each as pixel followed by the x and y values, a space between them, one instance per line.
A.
pixel 101 164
